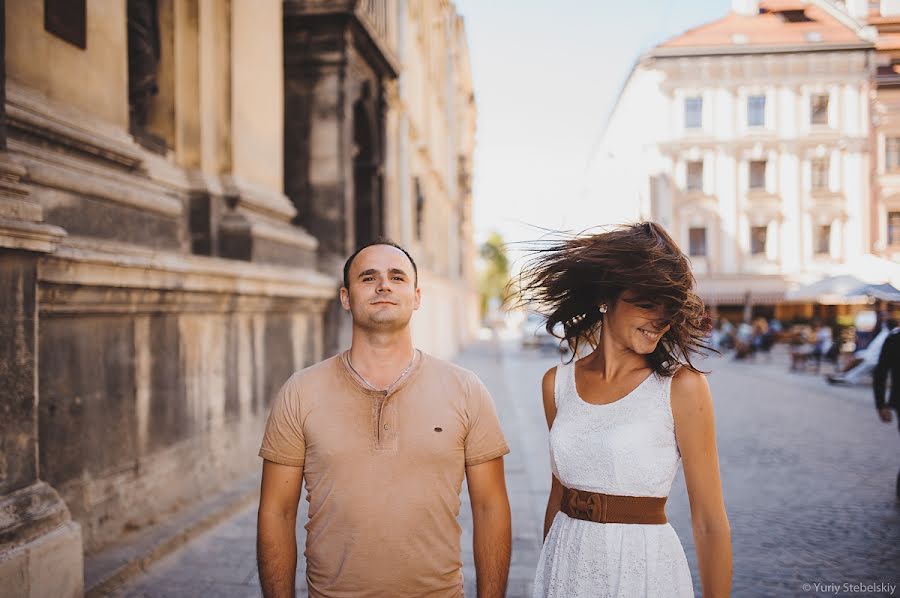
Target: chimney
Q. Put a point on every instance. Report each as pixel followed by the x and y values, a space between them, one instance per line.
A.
pixel 750 8
pixel 890 8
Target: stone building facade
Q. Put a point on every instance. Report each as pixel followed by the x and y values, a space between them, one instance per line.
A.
pixel 157 291
pixel 379 137
pixel 180 183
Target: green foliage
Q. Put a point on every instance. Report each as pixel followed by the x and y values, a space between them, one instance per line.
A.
pixel 495 277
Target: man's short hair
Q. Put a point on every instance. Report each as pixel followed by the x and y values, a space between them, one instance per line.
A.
pixel 379 241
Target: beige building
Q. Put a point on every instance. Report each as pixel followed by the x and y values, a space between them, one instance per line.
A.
pixel 379 141
pixel 748 137
pixel 435 131
pixel 880 21
pixel 181 183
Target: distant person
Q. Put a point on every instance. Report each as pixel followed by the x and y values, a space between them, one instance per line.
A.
pixel 866 359
pixel 622 417
pixel 743 341
pixel 383 435
pixel 823 341
pixel 888 363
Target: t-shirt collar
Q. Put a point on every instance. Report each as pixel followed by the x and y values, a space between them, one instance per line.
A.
pixel 363 387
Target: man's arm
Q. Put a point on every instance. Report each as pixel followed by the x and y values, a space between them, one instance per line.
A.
pixel 276 524
pixel 492 527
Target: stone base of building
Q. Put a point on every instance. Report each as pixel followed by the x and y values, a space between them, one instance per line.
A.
pixel 41 555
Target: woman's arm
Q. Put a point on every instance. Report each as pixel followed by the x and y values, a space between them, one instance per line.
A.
pixel 553 502
pixel 695 432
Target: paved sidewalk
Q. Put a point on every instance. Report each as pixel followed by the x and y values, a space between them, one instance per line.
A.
pixel 222 561
pixel 808 474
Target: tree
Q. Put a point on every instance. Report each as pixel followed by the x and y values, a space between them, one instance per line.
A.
pixel 495 273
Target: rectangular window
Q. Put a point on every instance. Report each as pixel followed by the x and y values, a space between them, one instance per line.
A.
pixel 756 111
pixel 693 113
pixel 67 19
pixel 758 174
pixel 818 109
pixel 823 239
pixel 695 176
pixel 891 154
pixel 697 241
pixel 893 228
pixel 758 239
pixel 820 173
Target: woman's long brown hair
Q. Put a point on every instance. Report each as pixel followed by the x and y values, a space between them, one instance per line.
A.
pixel 567 278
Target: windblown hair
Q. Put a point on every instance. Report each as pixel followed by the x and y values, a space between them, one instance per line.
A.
pixel 566 279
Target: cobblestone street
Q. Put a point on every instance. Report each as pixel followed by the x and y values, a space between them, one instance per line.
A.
pixel 808 473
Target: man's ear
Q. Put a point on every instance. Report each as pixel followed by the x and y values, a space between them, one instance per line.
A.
pixel 345 299
pixel 418 298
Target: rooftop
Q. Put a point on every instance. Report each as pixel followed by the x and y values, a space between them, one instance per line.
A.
pixel 780 25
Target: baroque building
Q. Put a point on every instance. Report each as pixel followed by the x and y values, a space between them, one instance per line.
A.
pixel 181 183
pixel 749 139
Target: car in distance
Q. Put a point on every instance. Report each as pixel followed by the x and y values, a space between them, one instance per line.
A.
pixel 535 335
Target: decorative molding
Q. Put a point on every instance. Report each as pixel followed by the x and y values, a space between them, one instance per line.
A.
pixel 28 513
pixel 31 113
pixel 30 236
pixel 83 261
pixel 247 196
pixel 21 218
pixel 664 53
pixel 58 171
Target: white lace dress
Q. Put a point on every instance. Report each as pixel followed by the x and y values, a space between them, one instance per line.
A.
pixel 627 448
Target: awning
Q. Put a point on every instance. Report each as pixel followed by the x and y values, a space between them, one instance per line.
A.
pixel 884 292
pixel 734 290
pixel 831 290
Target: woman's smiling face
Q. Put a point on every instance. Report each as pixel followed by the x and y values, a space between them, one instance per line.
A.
pixel 637 324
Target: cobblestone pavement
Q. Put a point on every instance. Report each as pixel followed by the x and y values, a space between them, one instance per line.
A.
pixel 808 474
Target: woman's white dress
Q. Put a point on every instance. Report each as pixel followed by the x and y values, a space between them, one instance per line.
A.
pixel 627 448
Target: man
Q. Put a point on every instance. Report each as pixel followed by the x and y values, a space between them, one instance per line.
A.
pixel 382 434
pixel 865 359
pixel 888 362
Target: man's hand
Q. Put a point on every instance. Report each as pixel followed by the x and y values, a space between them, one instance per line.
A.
pixel 492 541
pixel 885 414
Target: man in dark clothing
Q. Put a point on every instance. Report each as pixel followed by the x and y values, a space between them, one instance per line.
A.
pixel 888 362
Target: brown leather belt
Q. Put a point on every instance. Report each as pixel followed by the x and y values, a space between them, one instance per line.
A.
pixel 609 508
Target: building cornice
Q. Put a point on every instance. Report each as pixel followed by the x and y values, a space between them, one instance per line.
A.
pixel 737 50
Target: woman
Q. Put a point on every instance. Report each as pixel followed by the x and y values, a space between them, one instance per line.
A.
pixel 623 417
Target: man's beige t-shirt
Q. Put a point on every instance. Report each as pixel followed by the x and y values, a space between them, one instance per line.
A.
pixel 383 473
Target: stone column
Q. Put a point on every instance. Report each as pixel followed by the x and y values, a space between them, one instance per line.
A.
pixel 318 169
pixel 40 546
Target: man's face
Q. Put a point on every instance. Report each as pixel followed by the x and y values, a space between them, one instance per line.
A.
pixel 382 294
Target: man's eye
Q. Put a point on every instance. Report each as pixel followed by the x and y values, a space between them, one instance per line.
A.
pixel 398 278
pixel 368 278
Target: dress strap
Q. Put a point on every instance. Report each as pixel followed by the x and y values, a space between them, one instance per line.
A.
pixel 561 384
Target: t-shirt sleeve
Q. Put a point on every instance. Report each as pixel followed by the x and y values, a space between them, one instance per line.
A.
pixel 283 441
pixel 484 440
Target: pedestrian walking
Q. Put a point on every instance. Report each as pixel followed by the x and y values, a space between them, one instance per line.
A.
pixel 383 435
pixel 888 363
pixel 623 417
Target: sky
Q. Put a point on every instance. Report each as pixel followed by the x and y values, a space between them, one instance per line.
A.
pixel 546 74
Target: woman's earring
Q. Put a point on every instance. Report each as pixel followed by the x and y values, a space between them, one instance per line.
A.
pixel 603 307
